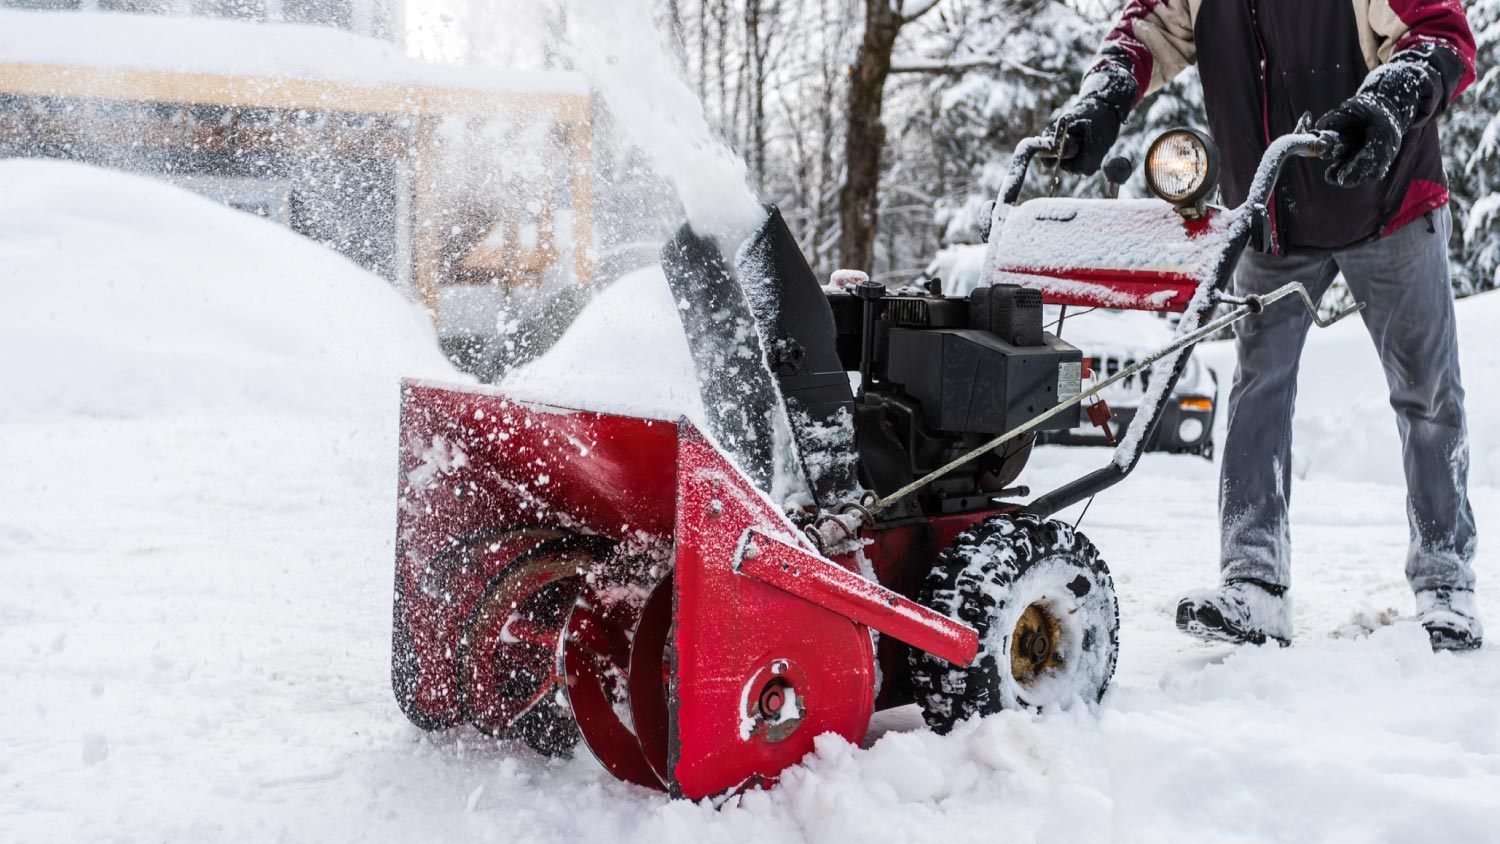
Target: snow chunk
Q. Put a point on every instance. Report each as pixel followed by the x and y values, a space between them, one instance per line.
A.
pixel 625 353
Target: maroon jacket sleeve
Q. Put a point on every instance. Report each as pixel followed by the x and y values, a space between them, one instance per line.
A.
pixel 1153 40
pixel 1434 32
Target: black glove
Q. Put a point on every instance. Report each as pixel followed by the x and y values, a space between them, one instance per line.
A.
pixel 1371 123
pixel 1092 121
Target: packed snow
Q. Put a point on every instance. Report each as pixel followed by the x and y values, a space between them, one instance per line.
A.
pixel 126 297
pixel 625 353
pixel 197 479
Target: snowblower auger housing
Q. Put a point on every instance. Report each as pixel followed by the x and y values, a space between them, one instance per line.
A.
pixel 685 598
pixel 697 605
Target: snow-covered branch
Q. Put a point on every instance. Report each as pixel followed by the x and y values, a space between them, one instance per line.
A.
pixel 910 10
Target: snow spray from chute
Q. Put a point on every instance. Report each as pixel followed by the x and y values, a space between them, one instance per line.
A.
pixel 617 45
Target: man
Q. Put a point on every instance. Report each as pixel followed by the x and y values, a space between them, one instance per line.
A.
pixel 1378 72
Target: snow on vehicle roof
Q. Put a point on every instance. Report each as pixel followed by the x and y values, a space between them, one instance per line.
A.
pixel 181 44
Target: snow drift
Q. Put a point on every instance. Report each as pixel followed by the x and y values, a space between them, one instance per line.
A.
pixel 625 353
pixel 123 295
pixel 1344 427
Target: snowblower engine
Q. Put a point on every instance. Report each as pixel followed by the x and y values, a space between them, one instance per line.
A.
pixel 941 374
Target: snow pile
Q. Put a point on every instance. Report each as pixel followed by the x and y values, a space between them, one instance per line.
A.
pixel 126 296
pixel 626 353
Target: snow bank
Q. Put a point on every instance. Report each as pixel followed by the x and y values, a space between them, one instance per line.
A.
pixel 1344 426
pixel 625 353
pixel 122 295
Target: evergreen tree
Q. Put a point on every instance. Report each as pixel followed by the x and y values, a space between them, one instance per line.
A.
pixel 1472 151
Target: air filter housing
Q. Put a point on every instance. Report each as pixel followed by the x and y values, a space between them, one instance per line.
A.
pixel 1010 312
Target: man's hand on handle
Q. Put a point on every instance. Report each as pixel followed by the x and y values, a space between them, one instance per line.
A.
pixel 1371 123
pixel 1091 122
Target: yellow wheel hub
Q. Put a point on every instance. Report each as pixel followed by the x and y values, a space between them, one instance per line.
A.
pixel 1035 645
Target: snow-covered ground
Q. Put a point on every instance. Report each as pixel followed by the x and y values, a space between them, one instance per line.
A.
pixel 197 469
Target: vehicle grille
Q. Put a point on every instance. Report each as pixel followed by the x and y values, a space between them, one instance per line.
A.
pixel 1127 392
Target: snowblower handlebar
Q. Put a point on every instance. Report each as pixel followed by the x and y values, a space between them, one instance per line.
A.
pixel 1304 144
pixel 1201 324
pixel 1316 144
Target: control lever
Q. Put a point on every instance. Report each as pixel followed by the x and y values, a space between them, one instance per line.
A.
pixel 1117 172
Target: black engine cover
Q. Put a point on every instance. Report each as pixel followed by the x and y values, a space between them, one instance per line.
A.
pixel 971 381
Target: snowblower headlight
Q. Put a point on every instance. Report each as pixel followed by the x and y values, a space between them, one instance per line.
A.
pixel 1182 167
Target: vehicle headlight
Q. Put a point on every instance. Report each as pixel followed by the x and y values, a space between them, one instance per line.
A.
pixel 1182 167
pixel 1189 430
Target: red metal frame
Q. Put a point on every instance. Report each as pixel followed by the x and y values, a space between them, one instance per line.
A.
pixel 1112 286
pixel 1099 288
pixel 476 466
pixel 814 579
pixel 730 629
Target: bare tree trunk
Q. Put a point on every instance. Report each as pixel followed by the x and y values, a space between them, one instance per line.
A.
pixel 864 137
pixel 739 116
pixel 826 172
pixel 679 37
pixel 762 39
pixel 726 118
pixel 703 51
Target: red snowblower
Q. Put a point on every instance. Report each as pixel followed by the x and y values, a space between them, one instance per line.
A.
pixel 697 602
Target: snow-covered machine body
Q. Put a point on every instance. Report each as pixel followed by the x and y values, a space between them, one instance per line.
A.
pixel 698 604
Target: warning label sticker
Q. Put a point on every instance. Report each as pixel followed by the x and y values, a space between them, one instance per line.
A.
pixel 1069 380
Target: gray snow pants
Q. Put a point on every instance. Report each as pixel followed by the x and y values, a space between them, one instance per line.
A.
pixel 1403 281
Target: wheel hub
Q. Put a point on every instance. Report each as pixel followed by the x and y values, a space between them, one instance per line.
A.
pixel 1034 643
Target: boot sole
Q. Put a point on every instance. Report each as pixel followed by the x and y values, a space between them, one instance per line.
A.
pixel 1444 640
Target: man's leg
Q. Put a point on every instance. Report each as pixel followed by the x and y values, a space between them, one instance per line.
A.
pixel 1252 604
pixel 1403 281
pixel 1255 485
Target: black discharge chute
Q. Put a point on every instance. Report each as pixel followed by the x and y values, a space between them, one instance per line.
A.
pixel 762 343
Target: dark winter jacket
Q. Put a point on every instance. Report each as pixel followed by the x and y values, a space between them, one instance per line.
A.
pixel 1264 63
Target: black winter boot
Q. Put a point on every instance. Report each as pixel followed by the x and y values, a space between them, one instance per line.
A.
pixel 1450 618
pixel 1240 611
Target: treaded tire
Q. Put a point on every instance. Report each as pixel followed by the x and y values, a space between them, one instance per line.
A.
pixel 989 578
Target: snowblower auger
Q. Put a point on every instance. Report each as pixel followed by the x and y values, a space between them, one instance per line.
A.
pixel 567 575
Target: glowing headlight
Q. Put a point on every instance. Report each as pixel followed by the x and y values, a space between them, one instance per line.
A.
pixel 1182 167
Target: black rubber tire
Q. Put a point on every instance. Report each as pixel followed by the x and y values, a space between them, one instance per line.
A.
pixel 987 579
